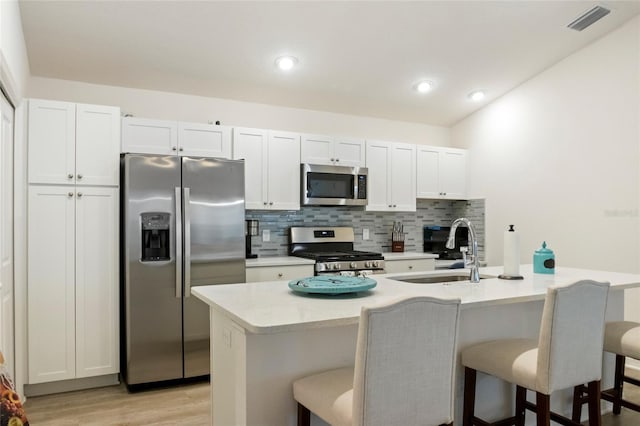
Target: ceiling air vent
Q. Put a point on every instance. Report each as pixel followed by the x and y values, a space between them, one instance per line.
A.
pixel 589 18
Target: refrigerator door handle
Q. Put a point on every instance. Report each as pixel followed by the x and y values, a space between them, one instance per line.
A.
pixel 187 242
pixel 178 242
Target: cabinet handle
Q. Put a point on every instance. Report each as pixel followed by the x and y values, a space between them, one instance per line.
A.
pixel 173 148
pixel 271 203
pixel 337 160
pixel 280 275
pixel 70 176
pixel 410 266
pixel 265 203
pixel 390 206
pixel 70 194
pixel 333 159
pixel 395 205
pixel 181 149
pixel 79 194
pixel 79 177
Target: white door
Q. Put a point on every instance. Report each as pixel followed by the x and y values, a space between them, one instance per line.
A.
pixel 204 140
pixel 7 341
pixel 96 281
pixel 428 172
pixel 250 145
pixel 349 152
pixel 50 283
pixel 317 149
pixel 403 177
pixel 97 145
pixel 453 173
pixel 379 177
pixel 51 144
pixel 283 171
pixel 146 136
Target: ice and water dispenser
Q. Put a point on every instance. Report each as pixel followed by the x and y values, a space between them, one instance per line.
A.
pixel 155 236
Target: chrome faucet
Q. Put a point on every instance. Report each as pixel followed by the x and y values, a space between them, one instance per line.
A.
pixel 472 260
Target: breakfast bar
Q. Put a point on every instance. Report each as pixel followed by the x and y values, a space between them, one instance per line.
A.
pixel 264 335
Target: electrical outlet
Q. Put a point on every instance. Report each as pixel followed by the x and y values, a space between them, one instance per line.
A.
pixel 365 234
pixel 266 235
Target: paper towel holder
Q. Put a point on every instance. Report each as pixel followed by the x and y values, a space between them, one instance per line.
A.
pixel 511 277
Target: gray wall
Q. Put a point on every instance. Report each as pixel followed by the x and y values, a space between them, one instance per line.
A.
pixel 428 212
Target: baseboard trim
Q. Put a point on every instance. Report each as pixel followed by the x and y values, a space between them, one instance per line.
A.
pixel 71 385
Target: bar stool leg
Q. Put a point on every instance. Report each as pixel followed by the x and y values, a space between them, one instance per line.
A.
pixel 469 396
pixel 304 415
pixel 521 396
pixel 543 409
pixel 618 383
pixel 595 419
pixel 578 400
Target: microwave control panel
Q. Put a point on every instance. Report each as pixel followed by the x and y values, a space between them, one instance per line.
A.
pixel 362 187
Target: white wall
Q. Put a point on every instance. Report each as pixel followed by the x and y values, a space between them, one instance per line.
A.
pixel 559 158
pixel 14 65
pixel 173 106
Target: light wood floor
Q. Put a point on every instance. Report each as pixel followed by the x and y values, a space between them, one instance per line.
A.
pixel 187 405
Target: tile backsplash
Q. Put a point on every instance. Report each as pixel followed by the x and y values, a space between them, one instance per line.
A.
pixel 428 212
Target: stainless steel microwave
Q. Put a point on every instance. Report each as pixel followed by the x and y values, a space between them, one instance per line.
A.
pixel 333 185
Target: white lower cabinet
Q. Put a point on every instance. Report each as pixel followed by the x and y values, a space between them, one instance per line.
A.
pixel 409 265
pixel 277 273
pixel 72 282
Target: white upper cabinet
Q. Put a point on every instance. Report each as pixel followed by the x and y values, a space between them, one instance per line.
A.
pixel 73 144
pixel 147 136
pixel 441 172
pixel 392 184
pixel 332 151
pixel 272 168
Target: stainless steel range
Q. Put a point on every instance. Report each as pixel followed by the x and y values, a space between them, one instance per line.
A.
pixel 332 249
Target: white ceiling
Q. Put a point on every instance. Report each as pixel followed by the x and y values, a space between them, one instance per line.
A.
pixel 355 57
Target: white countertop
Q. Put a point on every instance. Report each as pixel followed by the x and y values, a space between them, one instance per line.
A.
pixel 408 255
pixel 278 261
pixel 271 307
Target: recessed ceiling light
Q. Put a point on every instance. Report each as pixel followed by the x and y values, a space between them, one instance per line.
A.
pixel 424 86
pixel 477 95
pixel 286 63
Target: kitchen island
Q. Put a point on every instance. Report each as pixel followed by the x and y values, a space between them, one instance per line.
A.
pixel 264 336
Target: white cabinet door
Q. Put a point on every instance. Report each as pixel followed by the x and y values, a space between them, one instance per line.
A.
pixel 349 152
pixel 428 172
pixel 283 170
pixel 97 145
pixel 453 173
pixel 96 280
pixel 50 284
pixel 441 172
pixel 403 177
pixel 379 177
pixel 51 142
pixel 250 145
pixel 146 136
pixel 317 149
pixel 204 140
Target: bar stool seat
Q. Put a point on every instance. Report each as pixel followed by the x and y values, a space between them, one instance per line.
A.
pixel 568 352
pixel 403 374
pixel 623 339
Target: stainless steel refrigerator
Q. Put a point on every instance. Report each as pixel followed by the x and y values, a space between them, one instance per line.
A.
pixel 182 226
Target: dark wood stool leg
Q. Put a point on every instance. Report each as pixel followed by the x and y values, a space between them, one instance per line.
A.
pixel 469 396
pixel 304 415
pixel 578 400
pixel 618 382
pixel 595 419
pixel 543 409
pixel 521 396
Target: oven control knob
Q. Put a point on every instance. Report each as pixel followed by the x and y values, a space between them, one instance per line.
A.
pixel 352 265
pixel 376 264
pixel 367 264
pixel 336 266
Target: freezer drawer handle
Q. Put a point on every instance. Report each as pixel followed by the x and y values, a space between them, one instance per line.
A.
pixel 178 246
pixel 187 243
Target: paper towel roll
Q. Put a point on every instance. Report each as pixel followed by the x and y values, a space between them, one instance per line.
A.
pixel 511 253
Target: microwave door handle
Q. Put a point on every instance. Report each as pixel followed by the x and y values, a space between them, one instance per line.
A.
pixel 178 242
pixel 187 242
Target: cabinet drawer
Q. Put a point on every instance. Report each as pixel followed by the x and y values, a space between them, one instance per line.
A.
pixel 414 265
pixel 277 273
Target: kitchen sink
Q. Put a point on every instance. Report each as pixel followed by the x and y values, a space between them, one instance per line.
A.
pixel 435 279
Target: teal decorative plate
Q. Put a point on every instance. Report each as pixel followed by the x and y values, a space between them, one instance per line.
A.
pixel 332 284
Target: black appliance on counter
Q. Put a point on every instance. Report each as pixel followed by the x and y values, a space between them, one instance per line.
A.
pixel 332 249
pixel 435 240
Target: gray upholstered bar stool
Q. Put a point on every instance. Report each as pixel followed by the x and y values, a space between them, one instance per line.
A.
pixel 403 373
pixel 568 352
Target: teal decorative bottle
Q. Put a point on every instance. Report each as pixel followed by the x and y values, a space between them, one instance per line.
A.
pixel 544 261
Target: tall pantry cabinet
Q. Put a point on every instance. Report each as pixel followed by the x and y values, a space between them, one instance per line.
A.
pixel 72 281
